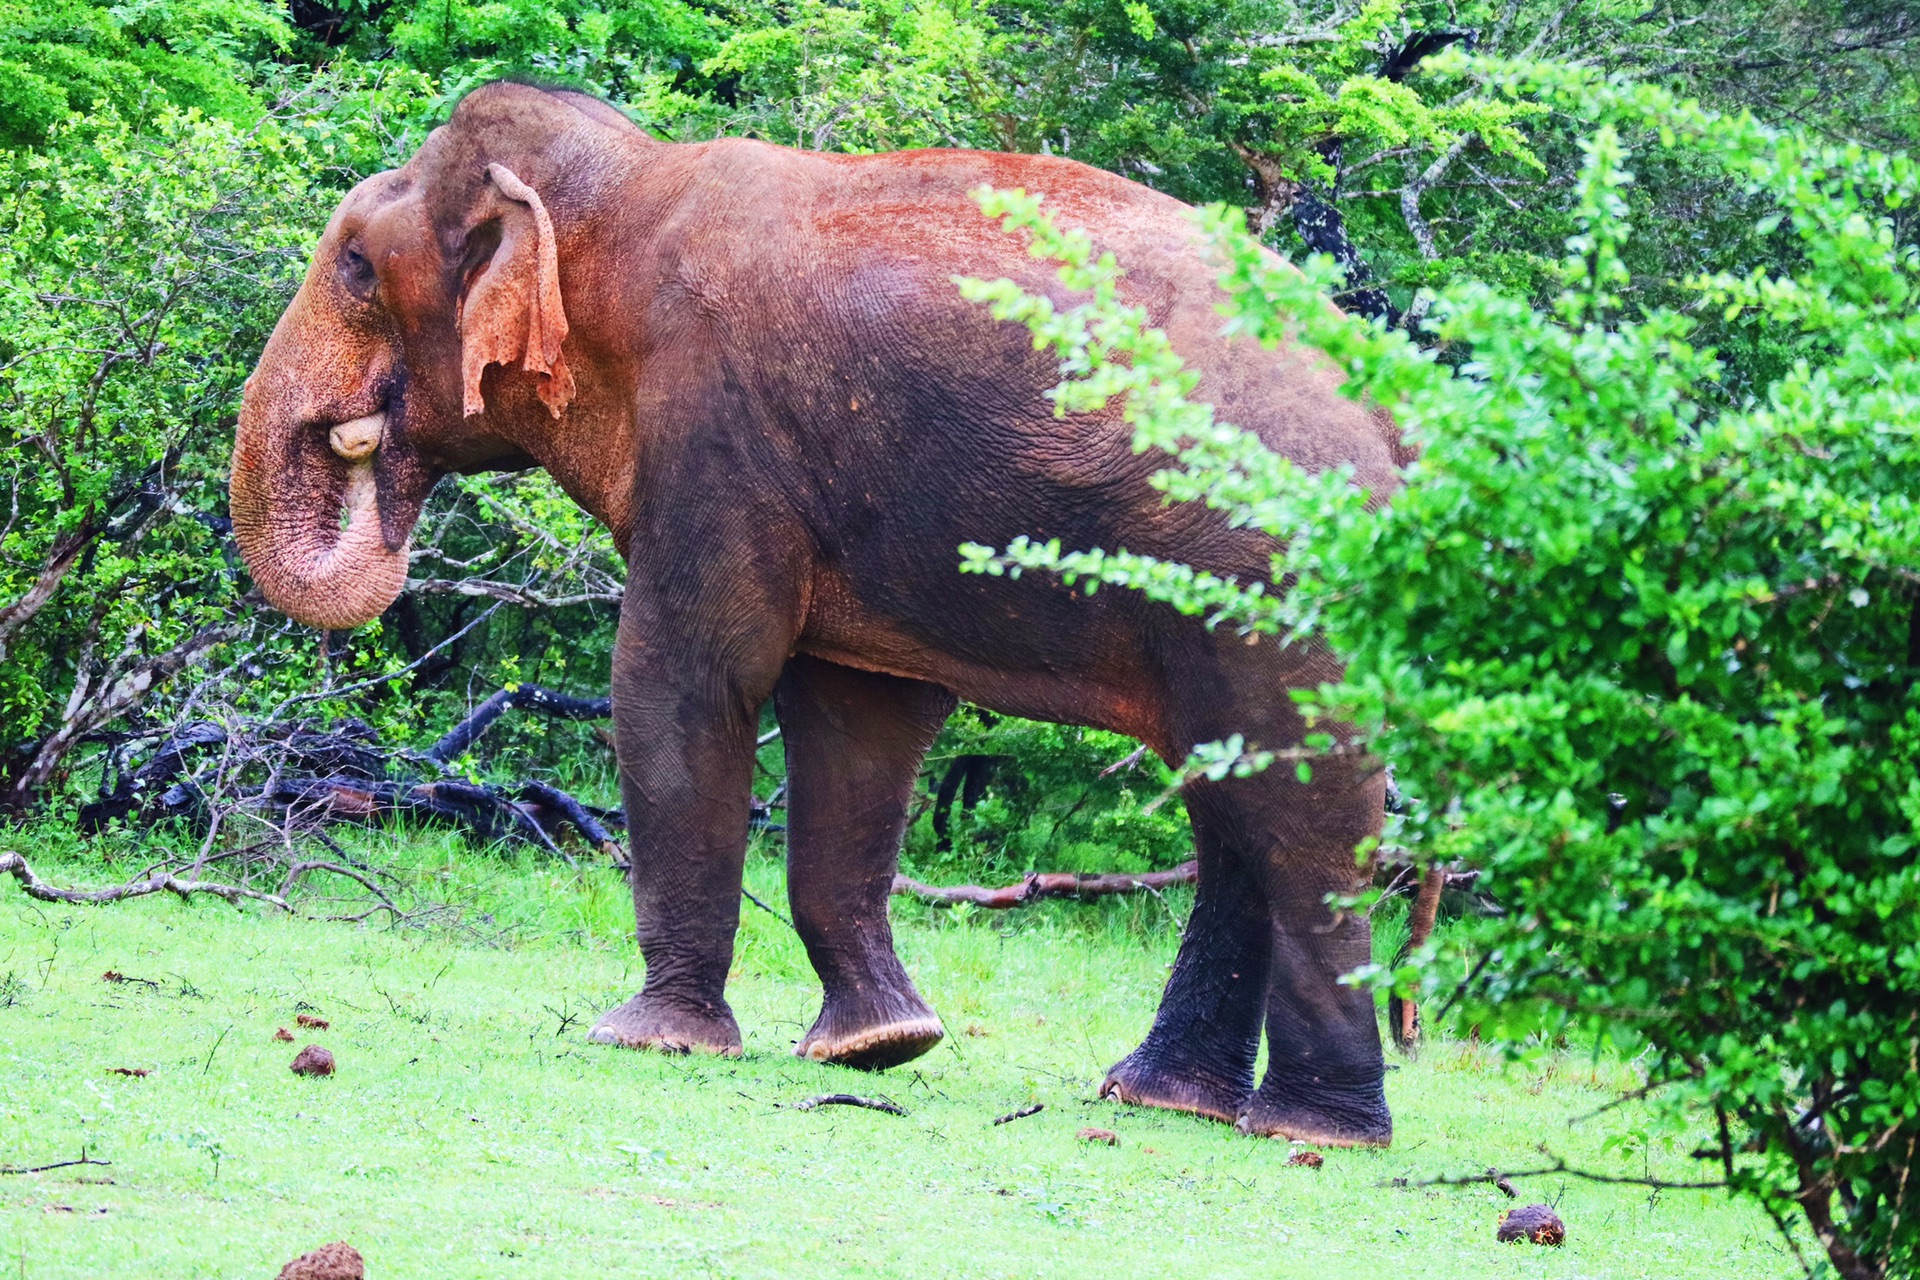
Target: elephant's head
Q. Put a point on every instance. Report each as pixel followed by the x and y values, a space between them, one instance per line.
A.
pixel 371 386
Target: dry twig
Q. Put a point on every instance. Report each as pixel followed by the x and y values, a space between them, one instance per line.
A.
pixel 850 1100
pixel 1031 1109
pixel 1055 884
pixel 1495 1178
pixel 58 1164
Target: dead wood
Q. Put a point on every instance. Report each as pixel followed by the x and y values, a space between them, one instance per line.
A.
pixel 58 1164
pixel 1031 1109
pixel 106 690
pixel 887 1105
pixel 311 776
pixel 1053 884
pixel 1403 1012
pixel 1493 1177
pixel 527 697
pixel 159 882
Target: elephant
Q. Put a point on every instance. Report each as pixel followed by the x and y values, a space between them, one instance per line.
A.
pixel 753 365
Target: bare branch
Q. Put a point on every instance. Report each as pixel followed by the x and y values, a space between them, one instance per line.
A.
pixel 1056 884
pixel 58 1164
pixel 507 592
pixel 160 882
pixel 1558 1168
pixel 64 554
pixel 1417 187
pixel 887 1105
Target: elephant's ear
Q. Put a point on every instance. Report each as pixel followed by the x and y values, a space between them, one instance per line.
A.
pixel 512 312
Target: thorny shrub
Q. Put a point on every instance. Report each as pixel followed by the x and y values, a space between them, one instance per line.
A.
pixel 1644 650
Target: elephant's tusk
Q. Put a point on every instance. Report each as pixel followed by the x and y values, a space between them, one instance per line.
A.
pixel 356 440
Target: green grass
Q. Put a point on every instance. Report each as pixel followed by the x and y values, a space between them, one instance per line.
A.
pixel 472 1132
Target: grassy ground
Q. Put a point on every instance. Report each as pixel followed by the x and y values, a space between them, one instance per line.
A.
pixel 472 1132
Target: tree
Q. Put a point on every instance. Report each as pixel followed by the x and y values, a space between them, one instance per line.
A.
pixel 1646 652
pixel 137 273
pixel 63 56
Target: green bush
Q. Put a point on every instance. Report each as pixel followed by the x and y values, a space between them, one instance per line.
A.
pixel 140 268
pixel 1047 797
pixel 1642 648
pixel 63 56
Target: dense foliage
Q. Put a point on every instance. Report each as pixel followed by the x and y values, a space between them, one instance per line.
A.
pixel 1008 796
pixel 170 162
pixel 1645 651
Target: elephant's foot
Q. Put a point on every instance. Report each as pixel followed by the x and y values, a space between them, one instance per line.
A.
pixel 872 1034
pixel 1145 1078
pixel 1329 1120
pixel 648 1022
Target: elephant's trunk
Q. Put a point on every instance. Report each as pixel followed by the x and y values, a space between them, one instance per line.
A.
pixel 306 513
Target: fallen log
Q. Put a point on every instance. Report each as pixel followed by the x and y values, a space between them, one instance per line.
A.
pixel 1052 884
pixel 524 697
pixel 155 789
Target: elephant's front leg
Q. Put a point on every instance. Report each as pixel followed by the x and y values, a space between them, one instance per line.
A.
pixel 854 744
pixel 686 704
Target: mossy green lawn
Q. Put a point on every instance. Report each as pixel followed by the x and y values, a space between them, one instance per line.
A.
pixel 472 1132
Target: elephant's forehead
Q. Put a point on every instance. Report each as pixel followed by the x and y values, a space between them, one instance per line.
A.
pixel 373 193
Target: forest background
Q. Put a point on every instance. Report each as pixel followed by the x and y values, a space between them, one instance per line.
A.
pixel 171 162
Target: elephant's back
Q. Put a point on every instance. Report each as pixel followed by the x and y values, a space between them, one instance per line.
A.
pixel 841 274
pixel 901 226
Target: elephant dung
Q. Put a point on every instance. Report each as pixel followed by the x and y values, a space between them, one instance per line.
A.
pixel 313 1061
pixel 336 1261
pixel 1535 1222
pixel 1307 1159
pixel 1107 1136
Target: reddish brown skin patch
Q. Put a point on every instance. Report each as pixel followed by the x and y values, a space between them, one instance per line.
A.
pixel 770 390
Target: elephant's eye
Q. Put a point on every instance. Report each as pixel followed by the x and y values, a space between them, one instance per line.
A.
pixel 357 273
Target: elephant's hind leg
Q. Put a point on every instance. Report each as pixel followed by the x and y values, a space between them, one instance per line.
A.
pixel 854 745
pixel 1325 1077
pixel 1199 1056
